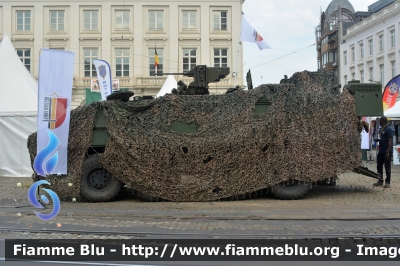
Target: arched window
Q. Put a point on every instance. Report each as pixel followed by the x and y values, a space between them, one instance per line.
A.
pixel 347 16
pixel 333 21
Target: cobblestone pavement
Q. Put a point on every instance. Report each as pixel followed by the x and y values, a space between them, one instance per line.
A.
pixel 353 207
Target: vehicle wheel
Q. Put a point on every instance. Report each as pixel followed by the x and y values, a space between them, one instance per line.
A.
pixel 97 184
pixel 290 190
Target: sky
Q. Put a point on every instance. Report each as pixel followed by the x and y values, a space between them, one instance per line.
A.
pixel 287 26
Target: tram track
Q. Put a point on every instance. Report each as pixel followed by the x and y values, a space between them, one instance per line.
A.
pixel 213 235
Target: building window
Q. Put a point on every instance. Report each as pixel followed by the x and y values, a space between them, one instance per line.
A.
pixel 57 20
pixel 23 20
pixel 121 20
pixel 371 74
pixel 220 20
pixel 220 57
pixel 90 19
pixel 346 17
pixel 362 76
pixel 333 21
pixel 380 43
pixel 189 20
pixel 331 57
pixel 122 62
pixel 152 68
pixel 393 67
pixel 353 76
pixel 345 80
pixel 353 54
pixel 345 57
pixel 25 56
pixel 382 73
pixel 90 54
pixel 189 58
pixel 361 51
pixel 392 38
pixel 156 20
pixel 324 41
pixel 371 47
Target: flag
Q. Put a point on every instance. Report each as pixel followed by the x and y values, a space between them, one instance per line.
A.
pixel 56 71
pixel 249 34
pixel 103 77
pixel 156 59
pixel 390 93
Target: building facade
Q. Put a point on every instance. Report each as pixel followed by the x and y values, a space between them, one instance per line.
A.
pixel 371 48
pixel 338 16
pixel 126 34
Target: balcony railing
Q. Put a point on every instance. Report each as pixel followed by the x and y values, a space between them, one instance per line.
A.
pixel 330 65
pixel 150 82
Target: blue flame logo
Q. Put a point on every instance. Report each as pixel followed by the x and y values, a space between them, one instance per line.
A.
pixel 43 166
pixel 33 200
pixel 40 165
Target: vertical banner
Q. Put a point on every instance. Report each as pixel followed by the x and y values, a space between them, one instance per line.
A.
pixel 390 93
pixel 104 78
pixel 56 71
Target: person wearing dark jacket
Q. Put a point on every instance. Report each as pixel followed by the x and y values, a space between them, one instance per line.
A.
pixel 385 151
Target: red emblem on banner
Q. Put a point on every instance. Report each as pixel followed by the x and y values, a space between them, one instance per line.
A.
pixel 55 111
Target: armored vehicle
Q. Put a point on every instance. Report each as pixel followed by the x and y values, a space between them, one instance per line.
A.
pixel 192 146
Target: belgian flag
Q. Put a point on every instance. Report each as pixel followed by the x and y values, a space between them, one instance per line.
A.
pixel 156 60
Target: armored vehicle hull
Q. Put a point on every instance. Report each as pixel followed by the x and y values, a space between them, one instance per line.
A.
pixel 203 148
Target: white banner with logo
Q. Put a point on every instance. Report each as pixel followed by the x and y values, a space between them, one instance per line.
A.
pixel 103 77
pixel 56 69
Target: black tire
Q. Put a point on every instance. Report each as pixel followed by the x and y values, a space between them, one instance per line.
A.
pixel 290 190
pixel 97 184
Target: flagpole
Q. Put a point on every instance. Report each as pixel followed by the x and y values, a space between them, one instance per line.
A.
pixel 238 51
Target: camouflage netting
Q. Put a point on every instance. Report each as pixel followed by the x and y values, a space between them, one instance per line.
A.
pixel 309 133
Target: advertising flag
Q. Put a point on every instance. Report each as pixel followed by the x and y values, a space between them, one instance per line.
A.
pixel 390 93
pixel 249 34
pixel 103 77
pixel 56 72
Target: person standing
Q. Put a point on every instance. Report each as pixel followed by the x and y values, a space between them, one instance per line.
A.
pixel 385 151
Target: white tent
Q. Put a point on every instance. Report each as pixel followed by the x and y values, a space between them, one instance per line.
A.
pixel 18 112
pixel 394 111
pixel 169 84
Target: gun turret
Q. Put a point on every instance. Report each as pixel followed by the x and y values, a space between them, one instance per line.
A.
pixel 202 76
